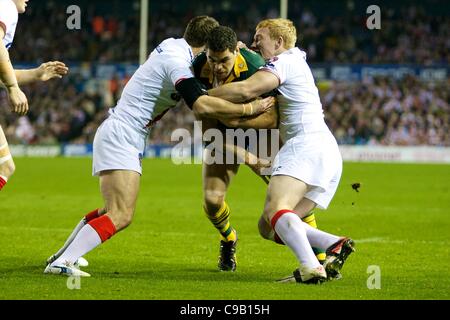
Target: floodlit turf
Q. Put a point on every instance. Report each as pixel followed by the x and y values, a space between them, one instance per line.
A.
pixel 400 221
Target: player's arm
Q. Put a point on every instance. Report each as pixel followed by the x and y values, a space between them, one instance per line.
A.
pixel 8 78
pixel 259 83
pixel 197 98
pixel 266 120
pixel 46 71
pixel 260 166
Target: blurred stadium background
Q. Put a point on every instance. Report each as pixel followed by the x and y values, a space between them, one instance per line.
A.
pixel 386 87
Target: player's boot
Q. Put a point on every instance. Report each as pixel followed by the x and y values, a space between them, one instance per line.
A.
pixel 307 275
pixel 337 253
pixel 81 262
pixel 335 276
pixel 227 258
pixel 66 269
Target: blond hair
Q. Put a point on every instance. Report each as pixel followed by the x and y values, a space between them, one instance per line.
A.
pixel 280 27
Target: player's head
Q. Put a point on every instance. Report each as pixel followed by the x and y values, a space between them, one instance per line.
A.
pixel 198 29
pixel 221 51
pixel 21 5
pixel 274 36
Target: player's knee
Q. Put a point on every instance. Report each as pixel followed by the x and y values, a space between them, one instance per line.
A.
pixel 121 218
pixel 213 201
pixel 126 220
pixel 269 211
pixel 265 229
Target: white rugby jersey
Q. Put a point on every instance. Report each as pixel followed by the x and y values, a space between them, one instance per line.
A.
pixel 299 103
pixel 151 90
pixel 8 21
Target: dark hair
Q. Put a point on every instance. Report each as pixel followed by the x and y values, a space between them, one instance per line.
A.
pixel 221 38
pixel 198 29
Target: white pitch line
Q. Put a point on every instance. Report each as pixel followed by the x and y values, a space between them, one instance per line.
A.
pixel 374 239
pixel 379 240
pixel 35 229
pixel 387 240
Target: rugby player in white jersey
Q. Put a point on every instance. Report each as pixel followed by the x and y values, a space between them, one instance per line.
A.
pixel 307 169
pixel 11 79
pixel 120 140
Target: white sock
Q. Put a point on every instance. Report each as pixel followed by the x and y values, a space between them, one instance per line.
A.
pixel 318 238
pixel 86 240
pixel 289 228
pixel 69 240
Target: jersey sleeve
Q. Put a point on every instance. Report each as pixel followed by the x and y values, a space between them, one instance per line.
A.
pixel 3 17
pixel 178 70
pixel 253 59
pixel 278 67
pixel 6 15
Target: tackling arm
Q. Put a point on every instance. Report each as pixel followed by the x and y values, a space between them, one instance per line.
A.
pixel 258 84
pixel 218 108
pixel 266 120
pixel 203 105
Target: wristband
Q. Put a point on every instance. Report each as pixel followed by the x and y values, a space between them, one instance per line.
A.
pixel 244 110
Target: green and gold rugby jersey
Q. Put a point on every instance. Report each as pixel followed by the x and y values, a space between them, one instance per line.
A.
pixel 246 64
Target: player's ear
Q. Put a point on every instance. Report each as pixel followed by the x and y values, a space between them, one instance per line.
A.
pixel 279 42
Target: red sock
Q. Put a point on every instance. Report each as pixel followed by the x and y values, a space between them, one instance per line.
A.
pixel 92 215
pixel 2 183
pixel 274 220
pixel 277 216
pixel 104 227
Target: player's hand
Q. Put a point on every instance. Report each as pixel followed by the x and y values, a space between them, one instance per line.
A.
pixel 262 105
pixel 51 69
pixel 241 45
pixel 260 166
pixel 18 100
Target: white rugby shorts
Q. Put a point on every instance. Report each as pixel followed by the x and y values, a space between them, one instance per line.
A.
pixel 117 146
pixel 314 159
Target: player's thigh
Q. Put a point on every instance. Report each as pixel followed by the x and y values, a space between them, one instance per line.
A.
pixel 120 189
pixel 4 149
pixel 7 166
pixel 283 192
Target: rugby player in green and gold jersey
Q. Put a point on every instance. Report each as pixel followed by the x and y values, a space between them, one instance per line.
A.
pixel 221 63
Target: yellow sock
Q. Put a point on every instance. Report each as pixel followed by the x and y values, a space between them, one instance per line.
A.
pixel 311 220
pixel 221 221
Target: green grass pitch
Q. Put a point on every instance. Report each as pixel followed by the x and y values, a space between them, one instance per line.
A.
pixel 400 221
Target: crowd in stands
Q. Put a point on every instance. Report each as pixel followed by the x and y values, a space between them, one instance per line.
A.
pixel 380 111
pixel 407 35
pixel 376 111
